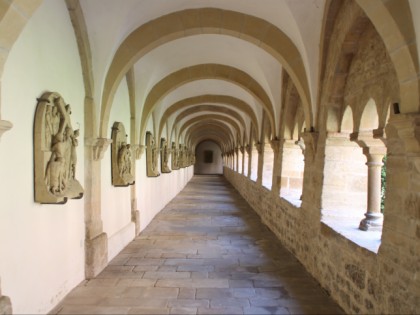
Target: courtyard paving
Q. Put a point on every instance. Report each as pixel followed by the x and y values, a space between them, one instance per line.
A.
pixel 206 252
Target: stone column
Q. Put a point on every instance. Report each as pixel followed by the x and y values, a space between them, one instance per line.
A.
pixel 374 149
pixel 96 240
pixel 260 150
pixel 242 150
pixel 249 152
pixel 275 185
pixel 237 159
pixel 374 219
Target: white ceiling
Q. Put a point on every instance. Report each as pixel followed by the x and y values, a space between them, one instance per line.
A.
pixel 109 22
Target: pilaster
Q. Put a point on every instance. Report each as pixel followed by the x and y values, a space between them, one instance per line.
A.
pixel 5 126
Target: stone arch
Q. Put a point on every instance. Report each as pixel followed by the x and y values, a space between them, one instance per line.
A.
pixel 209 99
pixel 206 21
pixel 347 123
pixel 14 15
pixel 196 142
pixel 207 131
pixel 369 119
pixel 188 127
pixel 397 33
pixel 393 22
pixel 204 71
pixel 210 108
pixel 351 22
pixel 201 118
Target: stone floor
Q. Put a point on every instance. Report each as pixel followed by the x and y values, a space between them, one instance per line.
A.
pixel 206 253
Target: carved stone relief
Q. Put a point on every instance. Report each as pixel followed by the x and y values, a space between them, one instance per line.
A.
pixel 165 153
pixel 122 160
pixel 175 158
pixel 55 157
pixel 151 156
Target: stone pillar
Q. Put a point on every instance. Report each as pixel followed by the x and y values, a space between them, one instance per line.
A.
pixel 96 241
pixel 275 186
pixel 249 153
pixel 5 304
pixel 374 149
pixel 260 150
pixel 237 159
pixel 374 219
pixel 242 150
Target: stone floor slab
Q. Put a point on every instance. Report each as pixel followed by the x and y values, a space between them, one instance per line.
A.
pixel 206 252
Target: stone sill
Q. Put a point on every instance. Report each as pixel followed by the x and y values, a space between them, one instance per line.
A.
pixel 370 240
pixel 292 198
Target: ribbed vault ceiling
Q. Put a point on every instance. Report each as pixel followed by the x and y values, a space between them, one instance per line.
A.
pixel 204 70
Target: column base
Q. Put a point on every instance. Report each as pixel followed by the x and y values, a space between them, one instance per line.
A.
pixel 5 305
pixel 372 222
pixel 96 255
pixel 135 217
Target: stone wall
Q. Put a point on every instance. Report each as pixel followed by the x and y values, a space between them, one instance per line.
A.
pixel 358 279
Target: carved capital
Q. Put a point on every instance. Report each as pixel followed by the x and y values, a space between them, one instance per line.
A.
pixel 368 138
pixel 138 150
pixel 248 149
pixel 99 147
pixel 407 128
pixel 310 142
pixel 5 126
pixel 275 145
pixel 242 149
pixel 259 146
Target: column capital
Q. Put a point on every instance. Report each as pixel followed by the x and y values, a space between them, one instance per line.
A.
pixel 248 149
pixel 99 146
pixel 260 147
pixel 5 126
pixel 275 145
pixel 242 149
pixel 370 138
pixel 138 150
pixel 309 144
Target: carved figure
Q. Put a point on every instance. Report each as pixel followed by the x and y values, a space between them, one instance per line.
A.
pixel 121 157
pixel 124 159
pixel 48 127
pixel 55 155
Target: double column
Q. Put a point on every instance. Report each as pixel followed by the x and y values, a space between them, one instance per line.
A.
pixel 374 149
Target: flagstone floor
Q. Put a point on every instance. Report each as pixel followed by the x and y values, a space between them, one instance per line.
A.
pixel 207 252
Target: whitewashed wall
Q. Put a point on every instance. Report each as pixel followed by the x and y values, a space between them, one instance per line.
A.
pixel 116 201
pixel 41 246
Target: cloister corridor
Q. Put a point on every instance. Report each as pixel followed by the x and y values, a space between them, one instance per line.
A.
pixel 206 252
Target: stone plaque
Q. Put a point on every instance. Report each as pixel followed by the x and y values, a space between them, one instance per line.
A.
pixel 122 161
pixel 55 156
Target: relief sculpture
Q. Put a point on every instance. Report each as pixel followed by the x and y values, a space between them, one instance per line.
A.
pixel 175 165
pixel 165 152
pixel 55 151
pixel 151 156
pixel 122 161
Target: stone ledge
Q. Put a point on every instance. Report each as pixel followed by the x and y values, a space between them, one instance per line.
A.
pixel 350 231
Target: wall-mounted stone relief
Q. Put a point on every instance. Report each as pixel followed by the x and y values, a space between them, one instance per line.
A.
pixel 175 159
pixel 122 160
pixel 151 156
pixel 165 153
pixel 55 156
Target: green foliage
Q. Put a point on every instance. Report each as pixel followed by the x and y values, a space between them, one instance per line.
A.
pixel 383 183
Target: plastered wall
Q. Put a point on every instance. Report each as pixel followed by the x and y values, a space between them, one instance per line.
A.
pixel 216 166
pixel 41 246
